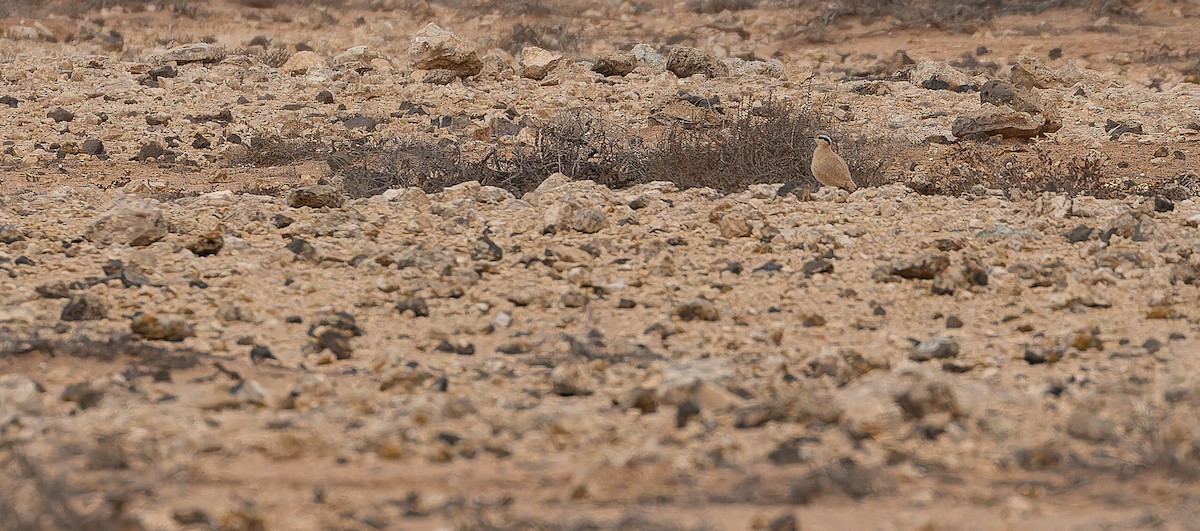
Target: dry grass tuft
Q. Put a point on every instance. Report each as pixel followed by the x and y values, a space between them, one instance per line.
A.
pixel 274 57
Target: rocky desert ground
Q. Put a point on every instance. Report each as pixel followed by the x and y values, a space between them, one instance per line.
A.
pixel 275 264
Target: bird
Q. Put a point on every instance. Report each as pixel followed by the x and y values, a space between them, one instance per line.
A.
pixel 828 167
pixel 339 159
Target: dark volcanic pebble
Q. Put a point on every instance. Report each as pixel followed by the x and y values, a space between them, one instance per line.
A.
pixel 61 115
pixel 93 146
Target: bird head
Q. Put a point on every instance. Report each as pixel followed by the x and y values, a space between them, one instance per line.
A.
pixel 823 139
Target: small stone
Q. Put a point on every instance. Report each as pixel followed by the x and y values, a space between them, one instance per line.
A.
pixel 1162 204
pixel 61 115
pixel 460 348
pixel 93 147
pixel 770 267
pixel 336 342
pixel 325 97
pixel 574 299
pixel 302 248
pixel 925 266
pixel 207 244
pixel 148 151
pixel 1001 121
pixel 166 328
pixel 1089 426
pixel 734 225
pixel 1081 233
pixel 333 332
pixel 686 61
pixel 536 62
pixel 513 347
pixel 685 412
pixel 588 220
pixel 928 398
pixel 615 65
pixel 572 378
pixel 1088 340
pixel 191 516
pixel 1039 356
pixel 19 392
pixel 812 319
pixel 940 347
pixel 316 196
pixel 193 53
pixel 360 122
pixel 166 71
pixel 784 522
pixel 486 250
pixel 434 47
pixel 357 58
pixel 260 353
pixel 10 234
pixel 416 305
pixel 84 307
pixel 816 267
pixel 953 322
pixel 440 76
pixel 54 290
pixel 84 394
pixel 789 452
pixel 697 309
pixel 281 221
pixel 303 62
pixel 641 399
pixel 9 101
pixel 250 392
pixel 200 142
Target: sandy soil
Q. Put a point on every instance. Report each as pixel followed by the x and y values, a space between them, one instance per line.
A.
pixel 190 342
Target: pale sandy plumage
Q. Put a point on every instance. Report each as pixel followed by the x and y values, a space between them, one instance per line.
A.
pixel 829 168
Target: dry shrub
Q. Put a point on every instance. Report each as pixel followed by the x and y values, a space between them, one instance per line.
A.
pixel 532 8
pixel 77 8
pixel 270 149
pixel 401 163
pixel 574 143
pixel 870 159
pixel 581 146
pixel 772 145
pixel 962 16
pixel 973 167
pixel 717 6
pixel 31 499
pixel 559 36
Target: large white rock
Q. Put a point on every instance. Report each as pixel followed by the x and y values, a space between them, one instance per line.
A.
pixel 132 222
pixel 536 62
pixel 437 48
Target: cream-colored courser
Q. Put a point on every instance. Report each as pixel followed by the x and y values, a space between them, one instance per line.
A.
pixel 828 167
